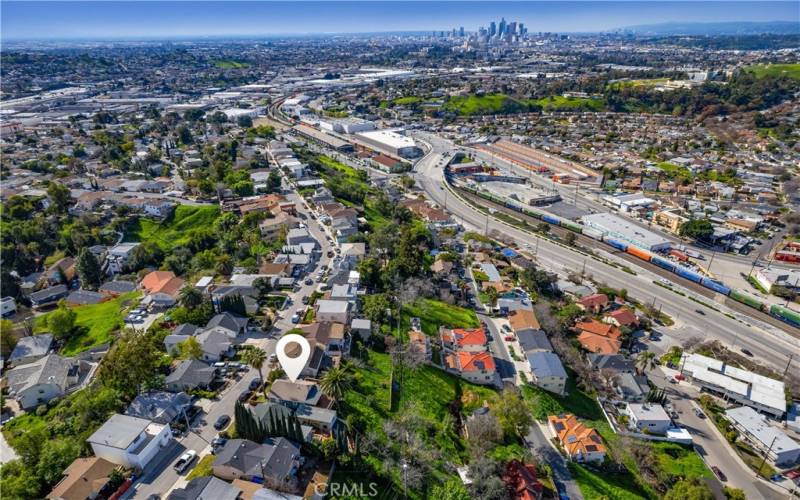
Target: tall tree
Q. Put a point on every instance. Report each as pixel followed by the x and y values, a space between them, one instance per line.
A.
pixel 646 361
pixel 89 270
pixel 61 322
pixel 190 297
pixel 190 349
pixel 512 413
pixel 336 382
pixel 256 357
pixel 131 364
pixel 59 195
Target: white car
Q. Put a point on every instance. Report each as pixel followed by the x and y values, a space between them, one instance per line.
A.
pixel 185 461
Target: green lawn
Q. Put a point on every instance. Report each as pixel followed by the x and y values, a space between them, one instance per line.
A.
pixel 434 313
pixel 605 485
pixel 202 469
pixel 762 70
pixel 176 229
pixel 405 101
pixel 230 64
pixel 679 460
pixel 96 323
pixel 561 103
pixel 490 104
pixel 674 171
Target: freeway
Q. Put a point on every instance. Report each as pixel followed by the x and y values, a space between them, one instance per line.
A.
pixel 769 345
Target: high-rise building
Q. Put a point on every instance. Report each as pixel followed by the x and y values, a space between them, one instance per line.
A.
pixel 512 28
pixel 492 29
pixel 521 29
pixel 461 31
pixel 502 28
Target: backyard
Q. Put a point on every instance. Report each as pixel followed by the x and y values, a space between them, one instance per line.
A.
pixel 95 323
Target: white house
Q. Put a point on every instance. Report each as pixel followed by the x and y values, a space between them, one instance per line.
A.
pixel 649 417
pixel 548 372
pixel 40 381
pixel 336 311
pixel 756 430
pixel 130 441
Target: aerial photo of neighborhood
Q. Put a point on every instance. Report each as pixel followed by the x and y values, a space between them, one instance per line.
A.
pixel 515 250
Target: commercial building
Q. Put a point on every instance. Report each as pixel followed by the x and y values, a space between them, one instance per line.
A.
pixel 754 428
pixel 613 226
pixel 323 138
pixel 761 393
pixel 347 125
pixel 391 142
pixel 629 202
pixel 771 277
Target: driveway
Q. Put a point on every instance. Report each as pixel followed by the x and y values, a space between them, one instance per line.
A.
pixel 539 443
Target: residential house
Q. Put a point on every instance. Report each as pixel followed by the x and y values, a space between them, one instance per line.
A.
pixel 84 478
pixel 581 443
pixel 116 288
pixel 299 235
pixel 594 303
pixel 614 362
pixel 274 463
pixel 419 345
pixel 160 407
pixel 599 338
pixel 85 297
pixel 621 317
pixel 40 381
pixel 61 272
pixel 293 394
pixel 533 341
pixel 162 282
pixel 336 311
pixel 475 367
pixel 190 374
pixel 31 348
pixel 548 372
pixel 648 418
pixel 130 441
pixel 521 481
pixel 352 254
pixel 361 327
pixel 206 487
pixel 462 339
pixel 630 387
pixel 48 296
pixel 523 320
pixel 272 227
pixel 117 258
pixel 328 335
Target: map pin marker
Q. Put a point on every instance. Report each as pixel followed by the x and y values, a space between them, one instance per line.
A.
pixel 291 361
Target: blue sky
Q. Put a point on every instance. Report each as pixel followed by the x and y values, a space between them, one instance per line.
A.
pixel 155 19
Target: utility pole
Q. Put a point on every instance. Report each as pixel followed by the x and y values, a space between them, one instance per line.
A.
pixel 765 456
pixel 788 365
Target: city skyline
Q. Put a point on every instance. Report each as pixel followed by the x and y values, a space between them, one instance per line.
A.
pixel 182 19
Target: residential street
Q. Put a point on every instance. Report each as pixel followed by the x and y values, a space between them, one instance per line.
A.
pixel 539 443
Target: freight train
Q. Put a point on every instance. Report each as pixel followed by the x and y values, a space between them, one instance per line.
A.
pixel 782 313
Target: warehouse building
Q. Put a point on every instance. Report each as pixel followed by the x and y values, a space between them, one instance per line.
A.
pixel 391 142
pixel 771 277
pixel 763 394
pixel 754 428
pixel 323 138
pixel 347 125
pixel 613 226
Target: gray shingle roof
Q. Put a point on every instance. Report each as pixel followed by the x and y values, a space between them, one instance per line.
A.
pixel 49 369
pixel 276 455
pixel 159 406
pixel 35 345
pixel 546 364
pixel 208 487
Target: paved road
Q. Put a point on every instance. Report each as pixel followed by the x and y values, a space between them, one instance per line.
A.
pixel 770 345
pixel 714 450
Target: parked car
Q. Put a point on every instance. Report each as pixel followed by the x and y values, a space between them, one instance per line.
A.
pixel 296 317
pixel 254 384
pixel 330 253
pixel 747 352
pixel 309 281
pixel 304 300
pixel 222 422
pixel 720 475
pixel 509 338
pixel 185 461
pixel 506 328
pixel 700 312
pixel 244 396
pixel 699 413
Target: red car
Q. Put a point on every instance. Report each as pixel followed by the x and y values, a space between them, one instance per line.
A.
pixel 509 338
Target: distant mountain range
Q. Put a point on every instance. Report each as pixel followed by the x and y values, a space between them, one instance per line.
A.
pixel 721 28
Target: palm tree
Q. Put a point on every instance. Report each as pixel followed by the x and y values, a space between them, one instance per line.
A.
pixel 336 382
pixel 190 297
pixel 646 361
pixel 256 357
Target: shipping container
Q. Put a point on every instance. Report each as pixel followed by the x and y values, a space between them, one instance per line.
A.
pixel 689 275
pixel 715 285
pixel 572 226
pixel 787 315
pixel 663 263
pixel 593 233
pixel 551 219
pixel 744 298
pixel 638 252
pixel 616 244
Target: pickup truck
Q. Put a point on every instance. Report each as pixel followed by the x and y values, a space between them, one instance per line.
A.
pixel 185 461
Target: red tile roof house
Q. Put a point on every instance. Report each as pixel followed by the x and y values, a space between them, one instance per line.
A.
pixel 593 303
pixel 599 338
pixel 521 481
pixel 622 317
pixel 475 367
pixel 461 339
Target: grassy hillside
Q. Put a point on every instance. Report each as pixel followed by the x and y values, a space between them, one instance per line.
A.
pixel 560 103
pixel 230 64
pixel 175 230
pixel 762 70
pixel 490 104
pixel 96 323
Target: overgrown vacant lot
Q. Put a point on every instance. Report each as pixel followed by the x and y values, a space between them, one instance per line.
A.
pixel 434 313
pixel 175 230
pixel 95 323
pixel 790 70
